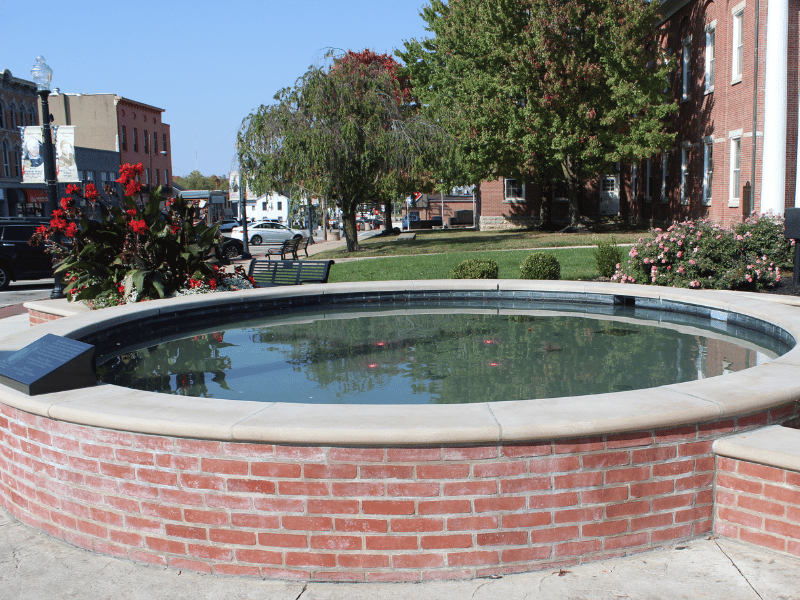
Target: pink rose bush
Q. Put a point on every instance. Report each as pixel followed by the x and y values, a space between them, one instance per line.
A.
pixel 704 255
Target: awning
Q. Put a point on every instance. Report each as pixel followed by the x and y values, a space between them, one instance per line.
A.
pixel 36 196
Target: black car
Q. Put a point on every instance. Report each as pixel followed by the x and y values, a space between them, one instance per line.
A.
pixel 18 259
pixel 230 248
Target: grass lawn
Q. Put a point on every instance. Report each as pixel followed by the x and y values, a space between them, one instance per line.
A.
pixel 576 264
pixel 462 241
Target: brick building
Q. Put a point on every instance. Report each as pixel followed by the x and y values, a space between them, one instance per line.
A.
pixel 110 131
pixel 18 108
pixel 736 149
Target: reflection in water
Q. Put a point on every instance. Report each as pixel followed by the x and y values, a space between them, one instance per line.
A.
pixel 414 357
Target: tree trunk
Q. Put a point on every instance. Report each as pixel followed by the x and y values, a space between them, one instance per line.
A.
pixel 572 177
pixel 350 231
pixel 387 216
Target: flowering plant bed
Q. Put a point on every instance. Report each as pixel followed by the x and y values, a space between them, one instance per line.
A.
pixel 702 254
pixel 119 251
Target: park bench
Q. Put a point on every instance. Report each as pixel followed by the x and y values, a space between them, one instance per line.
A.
pixel 287 248
pixel 268 273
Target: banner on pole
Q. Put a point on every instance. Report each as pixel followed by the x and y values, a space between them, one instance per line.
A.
pixel 32 155
pixel 64 140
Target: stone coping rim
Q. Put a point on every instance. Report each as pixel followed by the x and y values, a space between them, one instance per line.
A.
pixel 770 385
pixel 774 446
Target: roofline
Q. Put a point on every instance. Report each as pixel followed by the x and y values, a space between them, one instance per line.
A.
pixel 669 8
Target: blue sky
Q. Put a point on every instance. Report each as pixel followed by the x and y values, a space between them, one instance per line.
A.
pixel 206 63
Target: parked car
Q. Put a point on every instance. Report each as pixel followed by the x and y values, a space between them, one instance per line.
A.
pixel 267 232
pixel 226 225
pixel 230 248
pixel 18 259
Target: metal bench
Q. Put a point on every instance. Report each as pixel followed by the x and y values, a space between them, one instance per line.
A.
pixel 268 273
pixel 287 248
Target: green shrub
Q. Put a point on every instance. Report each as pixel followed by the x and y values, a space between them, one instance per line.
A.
pixel 540 265
pixel 476 268
pixel 763 236
pixel 607 257
pixel 703 255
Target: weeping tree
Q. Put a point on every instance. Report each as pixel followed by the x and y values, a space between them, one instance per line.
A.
pixel 342 133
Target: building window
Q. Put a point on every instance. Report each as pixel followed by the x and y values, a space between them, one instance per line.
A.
pixel 634 181
pixel 708 169
pixel 686 67
pixel 135 139
pixel 738 44
pixel 147 175
pixel 710 35
pixel 18 162
pixel 648 176
pixel 155 142
pixel 2 116
pixel 13 118
pixel 6 160
pixel 90 176
pixel 664 176
pixel 146 143
pixel 82 175
pixel 513 190
pixel 158 177
pixel 164 140
pixel 685 157
pixel 124 138
pixel 280 205
pixel 736 169
pixel 166 177
pixel 264 206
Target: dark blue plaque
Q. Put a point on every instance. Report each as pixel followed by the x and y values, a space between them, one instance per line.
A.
pixel 50 364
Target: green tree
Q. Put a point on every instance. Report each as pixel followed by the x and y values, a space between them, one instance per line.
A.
pixel 197 181
pixel 545 89
pixel 340 133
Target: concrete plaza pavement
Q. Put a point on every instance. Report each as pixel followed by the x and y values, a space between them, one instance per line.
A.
pixel 35 566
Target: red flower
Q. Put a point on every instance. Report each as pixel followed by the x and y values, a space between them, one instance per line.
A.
pixel 73 189
pixel 212 283
pixel 131 212
pixel 91 192
pixel 67 203
pixel 121 288
pixel 138 226
pixel 132 187
pixel 72 230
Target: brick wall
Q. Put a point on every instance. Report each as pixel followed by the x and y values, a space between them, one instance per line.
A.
pixel 758 504
pixel 360 514
pixel 37 317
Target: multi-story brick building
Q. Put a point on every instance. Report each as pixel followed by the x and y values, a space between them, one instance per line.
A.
pixel 736 149
pixel 18 108
pixel 110 131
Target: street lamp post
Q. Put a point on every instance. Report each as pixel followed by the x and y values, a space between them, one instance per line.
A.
pixel 42 74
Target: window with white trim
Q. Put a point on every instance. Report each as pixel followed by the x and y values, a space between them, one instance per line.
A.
pixel 738 45
pixel 736 170
pixel 711 31
pixel 686 67
pixel 708 169
pixel 514 190
pixel 634 181
pixel 664 176
pixel 685 158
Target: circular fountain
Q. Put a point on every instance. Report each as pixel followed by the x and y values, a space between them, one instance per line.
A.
pixel 384 492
